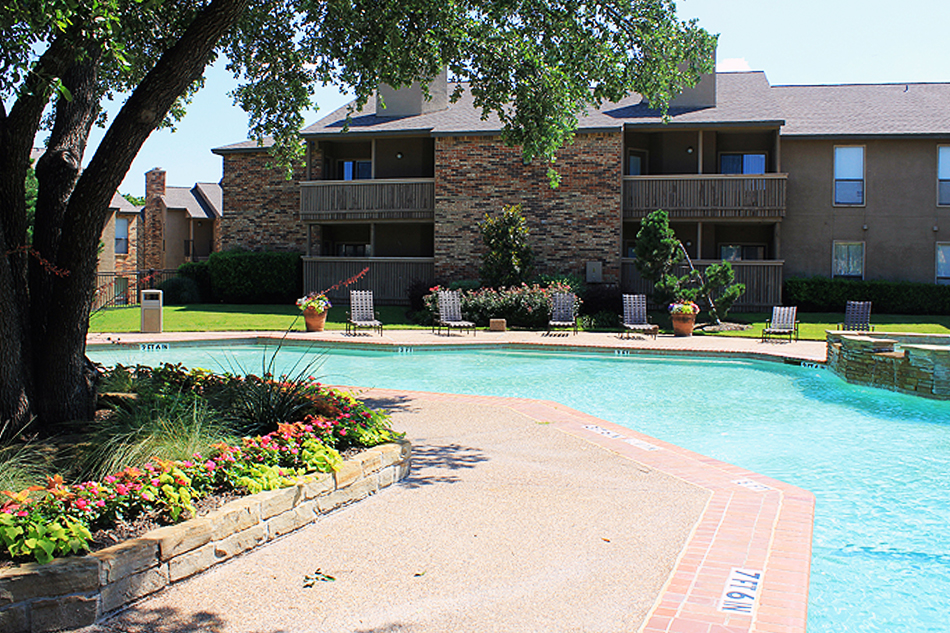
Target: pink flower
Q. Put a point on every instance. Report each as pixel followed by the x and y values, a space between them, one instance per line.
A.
pixel 122 489
pixel 109 479
pixel 22 513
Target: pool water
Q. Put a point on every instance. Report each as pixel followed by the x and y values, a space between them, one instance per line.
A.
pixel 877 462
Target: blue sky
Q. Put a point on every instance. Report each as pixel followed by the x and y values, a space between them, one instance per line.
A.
pixel 800 42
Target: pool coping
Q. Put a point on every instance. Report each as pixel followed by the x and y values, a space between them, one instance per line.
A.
pixel 751 522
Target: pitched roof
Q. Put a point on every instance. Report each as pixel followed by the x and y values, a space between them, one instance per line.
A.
pixel 865 109
pixel 742 99
pixel 201 201
pixel 121 205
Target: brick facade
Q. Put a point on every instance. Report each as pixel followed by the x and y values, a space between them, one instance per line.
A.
pixel 578 222
pixel 261 207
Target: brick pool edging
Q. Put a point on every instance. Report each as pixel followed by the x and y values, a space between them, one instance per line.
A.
pixel 750 522
pixel 73 592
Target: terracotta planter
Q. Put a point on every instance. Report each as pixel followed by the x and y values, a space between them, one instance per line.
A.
pixel 683 324
pixel 314 320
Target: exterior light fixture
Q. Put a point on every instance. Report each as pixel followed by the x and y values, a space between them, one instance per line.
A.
pixel 689 150
pixel 399 155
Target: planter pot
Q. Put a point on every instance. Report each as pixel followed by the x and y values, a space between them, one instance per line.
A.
pixel 314 320
pixel 683 324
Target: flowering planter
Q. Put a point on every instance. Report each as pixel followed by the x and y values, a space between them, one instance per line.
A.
pixel 683 324
pixel 314 320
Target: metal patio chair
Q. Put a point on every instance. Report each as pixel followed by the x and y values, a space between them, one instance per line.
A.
pixel 857 317
pixel 782 323
pixel 361 312
pixel 449 313
pixel 562 311
pixel 635 317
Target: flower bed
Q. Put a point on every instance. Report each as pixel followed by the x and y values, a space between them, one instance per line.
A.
pixel 527 306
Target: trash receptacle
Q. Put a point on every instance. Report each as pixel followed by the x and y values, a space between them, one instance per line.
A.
pixel 151 310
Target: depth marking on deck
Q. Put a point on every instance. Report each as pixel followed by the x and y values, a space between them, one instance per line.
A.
pixel 154 347
pixel 632 441
pixel 752 484
pixel 741 591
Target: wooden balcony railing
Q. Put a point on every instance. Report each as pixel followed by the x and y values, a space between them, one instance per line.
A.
pixel 322 200
pixel 388 277
pixel 762 279
pixel 703 196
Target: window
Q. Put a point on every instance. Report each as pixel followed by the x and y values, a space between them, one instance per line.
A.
pixel 943 175
pixel 741 252
pixel 354 170
pixel 848 260
pixel 742 163
pixel 943 263
pixel 636 162
pixel 121 236
pixel 849 175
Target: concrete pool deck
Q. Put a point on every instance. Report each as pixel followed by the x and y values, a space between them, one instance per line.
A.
pixel 523 515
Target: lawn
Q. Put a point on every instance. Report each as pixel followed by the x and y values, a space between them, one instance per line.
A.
pixel 219 317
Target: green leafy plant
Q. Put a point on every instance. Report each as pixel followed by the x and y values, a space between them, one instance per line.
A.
pixel 508 258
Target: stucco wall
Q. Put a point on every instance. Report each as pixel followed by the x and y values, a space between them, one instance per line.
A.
pixel 900 209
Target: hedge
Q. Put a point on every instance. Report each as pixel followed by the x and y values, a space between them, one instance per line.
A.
pixel 820 294
pixel 256 277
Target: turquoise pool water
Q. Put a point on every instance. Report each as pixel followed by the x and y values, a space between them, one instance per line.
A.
pixel 878 462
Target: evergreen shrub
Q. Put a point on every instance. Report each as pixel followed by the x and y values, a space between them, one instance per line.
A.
pixel 820 294
pixel 256 277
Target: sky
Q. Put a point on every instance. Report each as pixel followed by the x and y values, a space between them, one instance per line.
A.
pixel 797 42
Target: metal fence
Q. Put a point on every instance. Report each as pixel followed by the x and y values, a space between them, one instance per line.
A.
pixel 124 289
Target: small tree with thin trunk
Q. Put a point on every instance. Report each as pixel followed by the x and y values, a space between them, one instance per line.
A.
pixel 659 252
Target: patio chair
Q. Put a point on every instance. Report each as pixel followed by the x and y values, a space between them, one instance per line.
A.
pixel 361 312
pixel 562 311
pixel 450 313
pixel 782 323
pixel 635 318
pixel 857 317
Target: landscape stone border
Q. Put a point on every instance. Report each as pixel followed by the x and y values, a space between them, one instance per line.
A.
pixel 74 592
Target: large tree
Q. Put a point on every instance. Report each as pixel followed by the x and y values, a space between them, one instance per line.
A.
pixel 536 63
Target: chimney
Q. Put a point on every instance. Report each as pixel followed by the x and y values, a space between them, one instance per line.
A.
pixel 411 101
pixel 702 95
pixel 154 183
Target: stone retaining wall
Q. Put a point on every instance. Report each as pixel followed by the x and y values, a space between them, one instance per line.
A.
pixel 916 368
pixel 70 593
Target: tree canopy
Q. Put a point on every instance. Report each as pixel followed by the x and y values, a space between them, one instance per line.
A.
pixel 536 63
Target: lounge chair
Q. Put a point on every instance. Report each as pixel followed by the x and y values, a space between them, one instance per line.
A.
pixel 783 323
pixel 450 313
pixel 857 317
pixel 361 313
pixel 635 318
pixel 562 311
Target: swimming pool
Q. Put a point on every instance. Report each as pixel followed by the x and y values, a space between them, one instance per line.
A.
pixel 878 462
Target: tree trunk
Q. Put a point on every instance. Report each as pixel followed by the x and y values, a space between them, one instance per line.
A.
pixel 43 351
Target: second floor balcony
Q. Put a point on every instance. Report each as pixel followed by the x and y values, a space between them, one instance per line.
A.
pixel 701 196
pixel 389 199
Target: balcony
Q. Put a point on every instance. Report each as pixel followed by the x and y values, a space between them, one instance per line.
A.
pixel 762 279
pixel 405 199
pixel 705 196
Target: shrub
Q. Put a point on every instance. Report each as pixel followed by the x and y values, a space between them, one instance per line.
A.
pixel 820 294
pixel 508 260
pixel 200 272
pixel 179 291
pixel 259 277
pixel 603 298
pixel 527 306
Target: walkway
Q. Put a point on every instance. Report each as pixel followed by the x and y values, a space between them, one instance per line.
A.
pixel 523 515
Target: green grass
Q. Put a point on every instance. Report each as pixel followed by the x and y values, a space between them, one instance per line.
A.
pixel 236 318
pixel 233 318
pixel 812 325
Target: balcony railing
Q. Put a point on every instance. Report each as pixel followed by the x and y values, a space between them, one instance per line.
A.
pixel 388 277
pixel 762 279
pixel 697 197
pixel 322 200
